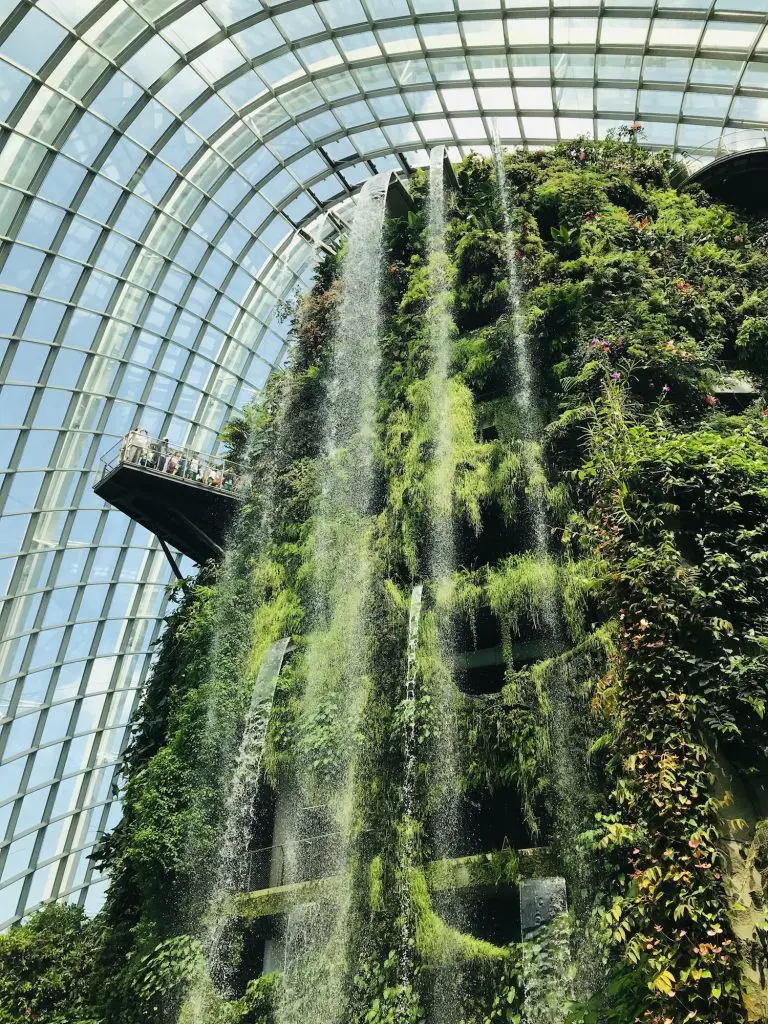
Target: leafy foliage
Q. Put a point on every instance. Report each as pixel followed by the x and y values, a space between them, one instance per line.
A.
pixel 46 968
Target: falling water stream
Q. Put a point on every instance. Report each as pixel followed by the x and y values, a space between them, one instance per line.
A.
pixel 316 939
pixel 232 875
pixel 442 541
pixel 548 981
pixel 236 763
pixel 407 852
pixel 336 656
pixel 440 322
pixel 445 769
pixel 529 419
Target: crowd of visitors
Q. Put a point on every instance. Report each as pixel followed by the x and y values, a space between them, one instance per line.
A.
pixel 139 449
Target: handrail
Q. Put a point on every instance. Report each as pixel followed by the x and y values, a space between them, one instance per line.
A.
pixel 299 860
pixel 137 448
pixel 739 140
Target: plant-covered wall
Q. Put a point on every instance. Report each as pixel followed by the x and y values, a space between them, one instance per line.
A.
pixel 612 538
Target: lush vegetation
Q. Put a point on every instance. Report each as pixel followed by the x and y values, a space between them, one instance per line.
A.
pixel 46 968
pixel 640 301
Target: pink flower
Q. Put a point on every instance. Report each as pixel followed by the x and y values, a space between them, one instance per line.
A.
pixel 616 375
pixel 596 342
pixel 710 400
pixel 666 389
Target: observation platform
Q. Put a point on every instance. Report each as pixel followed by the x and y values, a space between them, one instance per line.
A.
pixel 738 179
pixel 187 499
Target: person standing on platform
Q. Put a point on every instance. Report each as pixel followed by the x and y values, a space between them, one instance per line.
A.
pixel 130 449
pixel 142 443
pixel 162 454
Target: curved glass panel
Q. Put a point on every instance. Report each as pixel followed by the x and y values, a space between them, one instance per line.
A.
pixel 164 175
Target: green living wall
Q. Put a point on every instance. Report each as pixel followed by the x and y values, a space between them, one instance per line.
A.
pixel 641 303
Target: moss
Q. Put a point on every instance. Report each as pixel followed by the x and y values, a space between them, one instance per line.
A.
pixel 281 899
pixel 376 884
pixel 436 941
pixel 521 589
pixel 500 867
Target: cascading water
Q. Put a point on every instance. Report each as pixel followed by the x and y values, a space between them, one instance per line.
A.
pixel 407 851
pixel 529 420
pixel 336 656
pixel 442 544
pixel 442 554
pixel 232 875
pixel 233 745
pixel 549 984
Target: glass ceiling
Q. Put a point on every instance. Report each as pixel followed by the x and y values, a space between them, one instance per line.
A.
pixel 165 169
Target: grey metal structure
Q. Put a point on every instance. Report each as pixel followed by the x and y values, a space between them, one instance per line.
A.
pixel 166 170
pixel 541 901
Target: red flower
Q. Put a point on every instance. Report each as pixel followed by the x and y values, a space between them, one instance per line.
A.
pixel 710 400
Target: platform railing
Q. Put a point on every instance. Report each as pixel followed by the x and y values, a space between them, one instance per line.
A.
pixel 303 860
pixel 137 448
pixel 738 140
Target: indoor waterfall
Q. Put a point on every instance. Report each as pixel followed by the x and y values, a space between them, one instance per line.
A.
pixel 236 768
pixel 529 417
pixel 442 554
pixel 407 840
pixel 336 659
pixel 546 983
pixel 433 742
pixel 232 875
pixel 445 824
pixel 442 541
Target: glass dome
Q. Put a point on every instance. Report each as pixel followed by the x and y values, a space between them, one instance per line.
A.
pixel 166 172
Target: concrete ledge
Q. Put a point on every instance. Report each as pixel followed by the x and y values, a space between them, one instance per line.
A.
pixel 491 869
pixel 482 871
pixel 282 898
